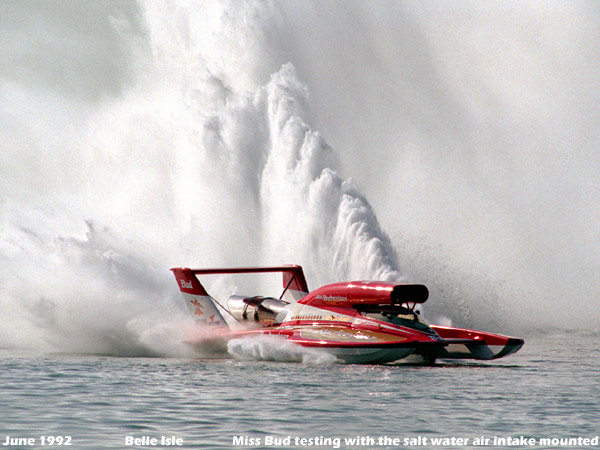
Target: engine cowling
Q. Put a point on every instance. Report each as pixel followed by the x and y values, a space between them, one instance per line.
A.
pixel 258 309
pixel 358 293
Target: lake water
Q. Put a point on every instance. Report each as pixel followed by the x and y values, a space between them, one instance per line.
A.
pixel 549 390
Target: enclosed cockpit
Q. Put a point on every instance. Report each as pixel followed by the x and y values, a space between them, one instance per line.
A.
pixel 400 315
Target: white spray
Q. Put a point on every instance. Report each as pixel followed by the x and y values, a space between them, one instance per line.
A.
pixel 191 165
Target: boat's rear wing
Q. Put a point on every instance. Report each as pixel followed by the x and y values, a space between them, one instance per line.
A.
pixel 294 282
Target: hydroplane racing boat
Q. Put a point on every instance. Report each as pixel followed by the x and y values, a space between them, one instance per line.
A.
pixel 364 322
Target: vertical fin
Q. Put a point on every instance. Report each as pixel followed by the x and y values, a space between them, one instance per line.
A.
pixel 197 299
pixel 294 284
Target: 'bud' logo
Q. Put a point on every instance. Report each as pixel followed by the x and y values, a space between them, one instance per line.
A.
pixel 186 285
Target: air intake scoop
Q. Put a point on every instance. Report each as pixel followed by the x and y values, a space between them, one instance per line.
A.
pixel 409 293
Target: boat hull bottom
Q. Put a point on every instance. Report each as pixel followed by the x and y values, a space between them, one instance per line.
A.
pixel 375 355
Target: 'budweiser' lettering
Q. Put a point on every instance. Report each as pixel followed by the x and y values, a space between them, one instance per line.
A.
pixel 332 298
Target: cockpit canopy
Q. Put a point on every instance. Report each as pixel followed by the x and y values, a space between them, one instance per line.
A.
pixel 397 315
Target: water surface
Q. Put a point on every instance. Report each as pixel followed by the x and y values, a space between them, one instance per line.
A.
pixel 549 389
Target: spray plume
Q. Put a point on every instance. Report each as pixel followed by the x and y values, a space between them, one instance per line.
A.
pixel 192 165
